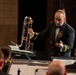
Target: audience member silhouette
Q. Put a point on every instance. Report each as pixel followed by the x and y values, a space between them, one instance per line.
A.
pixel 56 68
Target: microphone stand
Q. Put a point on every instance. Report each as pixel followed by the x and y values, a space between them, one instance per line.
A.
pixel 18 72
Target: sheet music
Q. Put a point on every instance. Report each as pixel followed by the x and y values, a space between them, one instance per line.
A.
pixel 16 49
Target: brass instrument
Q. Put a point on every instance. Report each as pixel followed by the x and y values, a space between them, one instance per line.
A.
pixel 25 40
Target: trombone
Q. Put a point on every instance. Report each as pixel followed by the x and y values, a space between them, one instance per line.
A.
pixel 25 40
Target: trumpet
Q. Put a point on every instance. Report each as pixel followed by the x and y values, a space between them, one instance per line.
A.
pixel 25 40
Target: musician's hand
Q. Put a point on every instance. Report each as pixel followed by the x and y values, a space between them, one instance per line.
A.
pixel 60 45
pixel 30 31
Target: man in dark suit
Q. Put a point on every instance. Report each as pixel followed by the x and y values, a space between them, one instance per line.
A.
pixel 61 35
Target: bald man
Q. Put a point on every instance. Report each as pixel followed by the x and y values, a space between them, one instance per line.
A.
pixel 56 68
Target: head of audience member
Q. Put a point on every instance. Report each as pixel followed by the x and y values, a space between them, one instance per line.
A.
pixel 56 68
pixel 60 17
pixel 1 60
pixel 7 52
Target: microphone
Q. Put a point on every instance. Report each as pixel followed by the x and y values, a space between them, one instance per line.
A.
pixel 18 71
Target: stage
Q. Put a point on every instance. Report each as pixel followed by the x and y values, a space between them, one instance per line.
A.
pixel 34 67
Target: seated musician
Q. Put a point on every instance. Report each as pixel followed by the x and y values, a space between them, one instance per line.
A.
pixel 7 55
pixel 56 68
pixel 2 63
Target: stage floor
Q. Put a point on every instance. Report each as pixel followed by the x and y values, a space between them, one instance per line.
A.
pixel 30 67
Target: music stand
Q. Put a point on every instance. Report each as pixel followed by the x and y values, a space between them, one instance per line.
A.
pixel 16 51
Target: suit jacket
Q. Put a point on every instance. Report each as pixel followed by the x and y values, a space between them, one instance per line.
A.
pixel 2 73
pixel 6 67
pixel 66 35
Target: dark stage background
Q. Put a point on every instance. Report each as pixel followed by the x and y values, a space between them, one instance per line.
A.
pixel 37 10
pixel 42 12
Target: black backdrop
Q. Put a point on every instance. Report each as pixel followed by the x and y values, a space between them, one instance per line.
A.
pixel 37 9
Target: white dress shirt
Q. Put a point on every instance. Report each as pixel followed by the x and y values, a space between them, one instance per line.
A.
pixel 56 32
